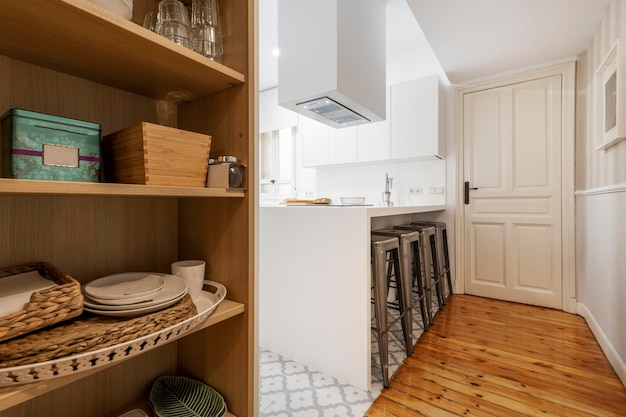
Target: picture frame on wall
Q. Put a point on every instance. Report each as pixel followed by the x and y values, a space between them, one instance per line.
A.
pixel 611 97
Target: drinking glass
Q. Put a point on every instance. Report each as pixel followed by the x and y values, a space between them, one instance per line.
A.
pixel 206 29
pixel 205 12
pixel 173 22
pixel 207 41
pixel 173 10
pixel 176 32
pixel 150 21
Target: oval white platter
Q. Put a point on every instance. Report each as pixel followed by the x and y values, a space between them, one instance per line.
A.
pixel 206 303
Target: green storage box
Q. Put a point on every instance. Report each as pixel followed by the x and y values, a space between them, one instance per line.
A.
pixel 39 146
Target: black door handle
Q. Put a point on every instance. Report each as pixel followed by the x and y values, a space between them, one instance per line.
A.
pixel 467 190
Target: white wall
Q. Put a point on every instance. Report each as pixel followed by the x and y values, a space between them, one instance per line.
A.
pixel 601 228
pixel 600 206
pixel 369 181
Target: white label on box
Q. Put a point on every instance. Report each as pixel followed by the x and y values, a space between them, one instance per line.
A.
pixel 60 156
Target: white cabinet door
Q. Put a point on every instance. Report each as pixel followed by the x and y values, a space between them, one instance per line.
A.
pixel 342 144
pixel 314 143
pixel 373 139
pixel 417 118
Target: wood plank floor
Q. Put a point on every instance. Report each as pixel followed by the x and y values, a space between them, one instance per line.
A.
pixel 486 357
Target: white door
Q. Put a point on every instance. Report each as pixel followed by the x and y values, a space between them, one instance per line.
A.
pixel 512 156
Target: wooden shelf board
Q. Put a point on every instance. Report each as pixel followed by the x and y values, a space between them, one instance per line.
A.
pixel 10 186
pixel 113 51
pixel 14 395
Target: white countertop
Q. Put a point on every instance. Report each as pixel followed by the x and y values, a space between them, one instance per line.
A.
pixel 371 211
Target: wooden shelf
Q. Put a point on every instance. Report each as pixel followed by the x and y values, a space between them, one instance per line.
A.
pixel 85 40
pixel 10 186
pixel 12 396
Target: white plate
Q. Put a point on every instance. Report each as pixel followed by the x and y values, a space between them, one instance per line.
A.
pixel 174 288
pixel 127 285
pixel 137 311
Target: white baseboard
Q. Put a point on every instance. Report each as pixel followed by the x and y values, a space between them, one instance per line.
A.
pixel 607 347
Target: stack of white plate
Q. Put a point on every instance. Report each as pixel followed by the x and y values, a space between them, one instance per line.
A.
pixel 133 293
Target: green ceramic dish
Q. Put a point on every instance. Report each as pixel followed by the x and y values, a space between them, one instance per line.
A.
pixel 178 396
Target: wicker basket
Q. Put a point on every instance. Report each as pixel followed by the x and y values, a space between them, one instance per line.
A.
pixel 90 332
pixel 46 307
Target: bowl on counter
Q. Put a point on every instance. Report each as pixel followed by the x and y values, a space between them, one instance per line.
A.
pixel 352 201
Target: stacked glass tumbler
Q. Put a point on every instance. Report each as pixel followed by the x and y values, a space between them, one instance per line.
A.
pixel 206 29
pixel 173 22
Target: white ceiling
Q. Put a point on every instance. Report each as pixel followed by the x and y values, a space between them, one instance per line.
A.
pixel 471 39
pixel 477 38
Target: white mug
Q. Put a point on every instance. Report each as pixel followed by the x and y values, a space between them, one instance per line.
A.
pixel 193 273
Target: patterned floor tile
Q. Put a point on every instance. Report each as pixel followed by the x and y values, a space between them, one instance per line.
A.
pixel 290 389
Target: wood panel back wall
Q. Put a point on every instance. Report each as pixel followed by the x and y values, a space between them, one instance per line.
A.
pixel 89 237
pixel 86 237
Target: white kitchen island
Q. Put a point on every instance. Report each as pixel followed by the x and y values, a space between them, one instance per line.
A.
pixel 314 284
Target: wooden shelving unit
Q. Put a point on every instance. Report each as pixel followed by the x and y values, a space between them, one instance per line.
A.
pixel 73 59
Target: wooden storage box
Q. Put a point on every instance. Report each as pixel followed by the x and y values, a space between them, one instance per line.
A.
pixel 152 154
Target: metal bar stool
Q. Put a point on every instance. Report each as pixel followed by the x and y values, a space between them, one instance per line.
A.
pixel 381 246
pixel 427 234
pixel 411 268
pixel 442 246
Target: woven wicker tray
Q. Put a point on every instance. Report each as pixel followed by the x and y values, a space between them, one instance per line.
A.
pixel 91 341
pixel 46 307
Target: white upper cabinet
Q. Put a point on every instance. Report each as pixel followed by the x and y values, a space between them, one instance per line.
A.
pixel 314 142
pixel 373 141
pixel 342 145
pixel 418 119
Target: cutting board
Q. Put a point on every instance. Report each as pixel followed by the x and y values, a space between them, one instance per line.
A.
pixel 293 201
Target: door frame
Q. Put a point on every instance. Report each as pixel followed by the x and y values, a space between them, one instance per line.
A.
pixel 567 71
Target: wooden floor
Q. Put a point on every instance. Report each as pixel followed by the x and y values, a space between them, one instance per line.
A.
pixel 486 357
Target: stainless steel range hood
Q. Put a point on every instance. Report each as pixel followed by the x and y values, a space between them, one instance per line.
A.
pixel 331 66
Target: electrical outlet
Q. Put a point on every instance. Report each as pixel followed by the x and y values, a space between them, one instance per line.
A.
pixel 416 191
pixel 436 190
pixel 308 193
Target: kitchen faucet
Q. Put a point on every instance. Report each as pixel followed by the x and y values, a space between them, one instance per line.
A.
pixel 387 192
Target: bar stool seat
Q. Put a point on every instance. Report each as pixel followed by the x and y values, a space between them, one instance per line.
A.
pixel 411 266
pixel 381 246
pixel 442 247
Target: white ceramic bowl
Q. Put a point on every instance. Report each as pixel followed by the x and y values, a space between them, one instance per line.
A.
pixel 354 201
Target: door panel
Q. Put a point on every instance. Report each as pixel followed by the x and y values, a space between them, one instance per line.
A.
pixel 490 247
pixel 534 252
pixel 487 123
pixel 512 142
